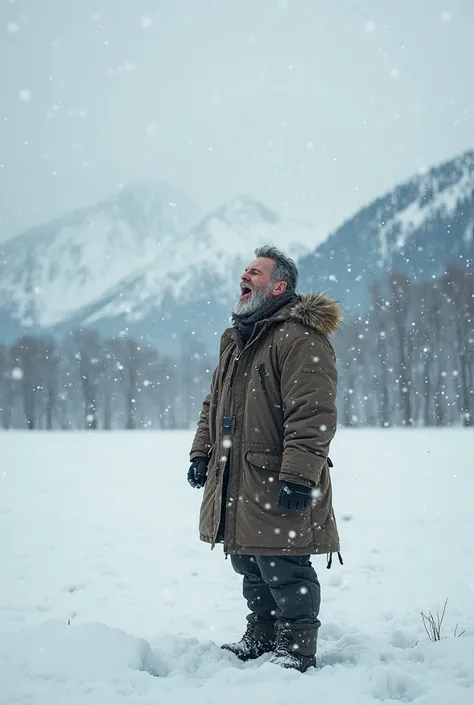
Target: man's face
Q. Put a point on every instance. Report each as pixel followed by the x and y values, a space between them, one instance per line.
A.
pixel 256 286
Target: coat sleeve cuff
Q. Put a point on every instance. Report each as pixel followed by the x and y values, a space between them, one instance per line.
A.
pixel 297 479
pixel 198 454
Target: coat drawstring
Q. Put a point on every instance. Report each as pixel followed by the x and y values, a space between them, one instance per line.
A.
pixel 329 557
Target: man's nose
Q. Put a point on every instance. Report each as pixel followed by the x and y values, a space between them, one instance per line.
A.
pixel 245 276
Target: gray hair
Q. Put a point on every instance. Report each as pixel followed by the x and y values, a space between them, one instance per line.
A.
pixel 285 269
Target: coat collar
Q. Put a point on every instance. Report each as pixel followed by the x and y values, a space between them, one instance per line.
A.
pixel 315 311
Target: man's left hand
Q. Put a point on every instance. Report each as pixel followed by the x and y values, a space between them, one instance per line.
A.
pixel 293 497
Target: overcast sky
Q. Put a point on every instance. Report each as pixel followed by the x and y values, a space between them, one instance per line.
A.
pixel 313 106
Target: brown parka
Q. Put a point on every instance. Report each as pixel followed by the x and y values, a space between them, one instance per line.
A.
pixel 269 417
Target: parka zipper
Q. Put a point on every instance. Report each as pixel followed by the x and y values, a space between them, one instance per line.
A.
pixel 261 373
pixel 237 357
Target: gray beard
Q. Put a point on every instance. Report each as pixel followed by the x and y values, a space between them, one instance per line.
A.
pixel 258 298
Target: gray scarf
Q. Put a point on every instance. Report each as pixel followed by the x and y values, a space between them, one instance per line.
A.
pixel 245 323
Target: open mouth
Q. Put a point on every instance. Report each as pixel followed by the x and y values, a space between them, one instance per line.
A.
pixel 245 292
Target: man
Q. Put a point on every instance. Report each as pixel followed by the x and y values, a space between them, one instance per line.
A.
pixel 261 454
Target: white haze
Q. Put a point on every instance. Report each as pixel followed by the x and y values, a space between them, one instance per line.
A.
pixel 313 107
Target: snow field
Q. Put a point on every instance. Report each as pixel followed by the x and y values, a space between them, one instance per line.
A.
pixel 106 593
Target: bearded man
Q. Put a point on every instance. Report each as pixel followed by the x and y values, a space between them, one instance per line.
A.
pixel 261 453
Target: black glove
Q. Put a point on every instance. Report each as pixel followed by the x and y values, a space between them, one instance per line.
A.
pixel 293 498
pixel 197 472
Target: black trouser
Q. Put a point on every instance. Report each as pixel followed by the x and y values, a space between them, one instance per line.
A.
pixel 283 588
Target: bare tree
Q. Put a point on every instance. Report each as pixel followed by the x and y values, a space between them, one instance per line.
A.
pixel 88 358
pixel 350 366
pixel 131 365
pixel 27 357
pixel 50 363
pixel 6 388
pixel 458 289
pixel 400 307
pixel 380 329
pixel 193 377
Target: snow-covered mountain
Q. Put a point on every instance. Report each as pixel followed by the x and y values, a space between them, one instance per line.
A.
pixel 136 262
pixel 207 262
pixel 418 228
pixel 51 272
pixel 143 263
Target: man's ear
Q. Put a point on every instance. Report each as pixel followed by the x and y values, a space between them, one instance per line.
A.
pixel 279 288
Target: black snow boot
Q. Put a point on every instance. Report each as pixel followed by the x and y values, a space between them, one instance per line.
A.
pixel 296 649
pixel 259 639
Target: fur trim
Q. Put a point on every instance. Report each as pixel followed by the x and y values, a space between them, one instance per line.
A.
pixel 317 311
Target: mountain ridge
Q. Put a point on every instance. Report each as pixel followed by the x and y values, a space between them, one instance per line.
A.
pixel 146 262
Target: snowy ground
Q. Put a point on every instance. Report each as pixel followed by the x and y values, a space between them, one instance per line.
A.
pixel 104 585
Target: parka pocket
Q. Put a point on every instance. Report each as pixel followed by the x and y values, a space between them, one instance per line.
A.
pixel 260 521
pixel 266 461
pixel 260 480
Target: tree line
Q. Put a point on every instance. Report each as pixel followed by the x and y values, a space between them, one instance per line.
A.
pixel 409 361
pixel 85 382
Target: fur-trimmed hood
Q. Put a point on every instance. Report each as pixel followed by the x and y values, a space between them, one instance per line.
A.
pixel 317 311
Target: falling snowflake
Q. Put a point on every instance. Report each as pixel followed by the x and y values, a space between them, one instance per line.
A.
pixel 126 67
pixel 370 27
pixel 446 16
pixel 227 443
pixel 292 534
pixel 24 95
pixel 146 22
pixel 13 27
pixel 17 373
